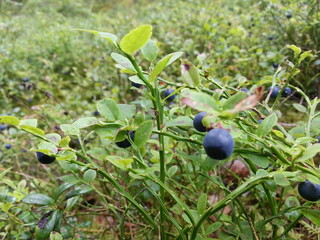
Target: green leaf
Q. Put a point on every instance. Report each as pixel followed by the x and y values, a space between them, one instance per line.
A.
pixel 10 120
pixel 137 79
pixel 304 56
pixel 108 109
pixel 71 202
pixel 310 152
pixel 98 153
pixel 70 167
pixel 281 180
pixel 172 170
pixel 143 133
pixel 89 175
pixel 69 129
pixel 135 39
pixel 55 236
pixel 165 61
pixel 123 61
pixel 46 225
pixel 85 122
pixel 260 161
pixel 266 125
pixel 48 146
pixel 29 122
pixel 109 36
pixel 182 121
pixel 199 101
pixel 62 188
pixel 33 130
pixel 120 162
pixel 213 227
pixel 202 203
pixel 127 111
pixel 312 215
pixel 190 74
pixel 232 101
pixel 296 50
pixel 64 142
pixel 108 130
pixel 53 137
pixel 79 191
pixel 150 50
pixel 300 107
pixel 38 198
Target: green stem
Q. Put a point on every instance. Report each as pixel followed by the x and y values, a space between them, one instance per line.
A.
pixel 116 185
pixel 224 202
pixel 158 106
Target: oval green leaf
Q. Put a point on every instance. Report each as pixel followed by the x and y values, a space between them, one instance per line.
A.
pixel 135 39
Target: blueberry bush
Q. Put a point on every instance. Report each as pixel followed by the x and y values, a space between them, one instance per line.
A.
pixel 187 136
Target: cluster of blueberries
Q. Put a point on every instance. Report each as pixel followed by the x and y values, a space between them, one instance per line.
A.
pixel 218 143
pixel 275 91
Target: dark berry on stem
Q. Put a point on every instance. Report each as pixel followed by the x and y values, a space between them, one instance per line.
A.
pixel 197 122
pixel 167 93
pixel 44 158
pixel 309 191
pixel 274 91
pixel 126 143
pixel 218 144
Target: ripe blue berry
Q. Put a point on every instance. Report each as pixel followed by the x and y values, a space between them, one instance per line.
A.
pixel 244 90
pixel 2 127
pixel 289 15
pixel 197 122
pixel 309 191
pixel 218 144
pixel 275 65
pixel 96 113
pixel 125 143
pixel 286 92
pixel 167 92
pixel 44 158
pixel 274 91
pixel 7 146
pixel 137 85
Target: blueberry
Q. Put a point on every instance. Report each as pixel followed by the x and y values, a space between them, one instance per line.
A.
pixel 197 122
pixel 260 121
pixel 286 92
pixel 7 146
pixel 244 90
pixel 2 127
pixel 167 92
pixel 96 113
pixel 289 15
pixel 218 144
pixel 271 38
pixel 137 85
pixel 309 191
pixel 318 138
pixel 275 65
pixel 26 79
pixel 125 143
pixel 44 158
pixel 274 91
